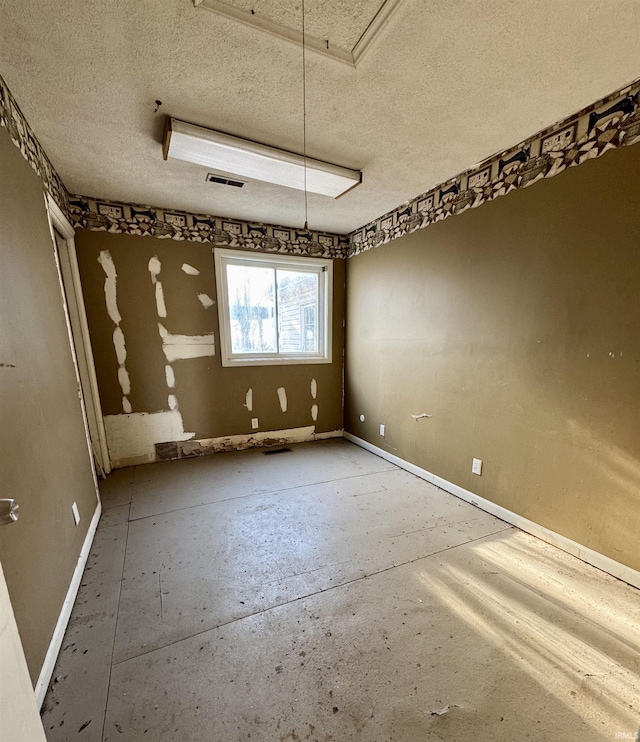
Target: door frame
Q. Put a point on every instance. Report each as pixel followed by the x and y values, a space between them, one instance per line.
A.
pixel 59 222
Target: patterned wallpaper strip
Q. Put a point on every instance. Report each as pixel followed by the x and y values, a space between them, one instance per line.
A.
pixel 610 123
pixel 119 218
pixel 22 136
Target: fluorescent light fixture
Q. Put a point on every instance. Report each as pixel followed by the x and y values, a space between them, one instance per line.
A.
pixel 252 160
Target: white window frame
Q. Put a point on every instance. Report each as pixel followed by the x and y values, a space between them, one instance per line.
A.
pixel 322 267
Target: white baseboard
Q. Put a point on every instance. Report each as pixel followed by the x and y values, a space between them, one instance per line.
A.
pixel 61 626
pixel 606 564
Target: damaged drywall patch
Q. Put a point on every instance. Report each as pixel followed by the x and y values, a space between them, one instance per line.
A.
pixel 190 270
pixel 155 268
pixel 178 347
pixel 108 266
pixel 160 304
pixel 314 394
pixel 118 344
pixel 131 438
pixel 125 381
pixel 111 301
pixel 205 300
pixel 170 375
pixel 206 446
pixel 282 397
pixel 249 400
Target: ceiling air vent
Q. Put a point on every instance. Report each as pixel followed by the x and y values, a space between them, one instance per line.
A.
pixel 211 178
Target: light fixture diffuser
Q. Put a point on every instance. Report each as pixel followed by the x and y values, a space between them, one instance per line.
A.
pixel 242 157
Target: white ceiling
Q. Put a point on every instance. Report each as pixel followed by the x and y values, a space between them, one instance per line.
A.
pixel 339 24
pixel 444 85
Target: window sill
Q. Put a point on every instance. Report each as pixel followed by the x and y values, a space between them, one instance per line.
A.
pixel 297 361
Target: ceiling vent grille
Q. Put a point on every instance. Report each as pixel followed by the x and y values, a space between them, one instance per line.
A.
pixel 211 178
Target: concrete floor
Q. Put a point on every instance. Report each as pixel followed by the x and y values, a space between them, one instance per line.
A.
pixel 326 595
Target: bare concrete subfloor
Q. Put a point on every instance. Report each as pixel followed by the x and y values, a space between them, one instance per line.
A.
pixel 326 595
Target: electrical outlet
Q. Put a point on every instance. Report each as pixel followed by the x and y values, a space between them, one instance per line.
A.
pixel 76 513
pixel 382 430
pixel 476 467
pixel 254 423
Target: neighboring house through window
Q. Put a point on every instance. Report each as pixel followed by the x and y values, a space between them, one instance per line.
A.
pixel 274 309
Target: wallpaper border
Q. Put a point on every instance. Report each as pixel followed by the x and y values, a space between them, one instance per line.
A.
pixel 606 124
pixel 23 137
pixel 171 224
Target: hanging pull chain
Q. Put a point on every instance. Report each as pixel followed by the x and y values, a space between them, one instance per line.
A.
pixel 304 122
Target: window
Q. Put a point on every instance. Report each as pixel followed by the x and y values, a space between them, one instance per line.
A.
pixel 274 309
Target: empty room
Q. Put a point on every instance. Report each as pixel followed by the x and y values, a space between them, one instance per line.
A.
pixel 319 346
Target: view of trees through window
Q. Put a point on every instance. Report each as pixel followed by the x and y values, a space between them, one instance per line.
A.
pixel 272 310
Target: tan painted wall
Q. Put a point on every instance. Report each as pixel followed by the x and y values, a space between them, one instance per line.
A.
pixel 517 327
pixel 44 459
pixel 211 398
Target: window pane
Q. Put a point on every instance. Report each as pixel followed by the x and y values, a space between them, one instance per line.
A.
pixel 252 309
pixel 298 311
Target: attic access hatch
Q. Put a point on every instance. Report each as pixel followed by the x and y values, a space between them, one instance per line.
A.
pixel 343 32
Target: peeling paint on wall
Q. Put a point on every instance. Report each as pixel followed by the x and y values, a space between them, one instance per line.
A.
pixel 282 396
pixel 206 300
pixel 314 412
pixel 190 270
pixel 314 388
pixel 249 400
pixel 173 402
pixel 203 447
pixel 110 295
pixel 178 347
pixel 131 438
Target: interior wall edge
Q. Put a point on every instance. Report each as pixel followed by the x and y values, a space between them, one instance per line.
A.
pixel 65 613
pixel 584 553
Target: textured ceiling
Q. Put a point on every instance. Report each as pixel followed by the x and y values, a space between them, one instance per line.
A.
pixel 444 85
pixel 341 22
